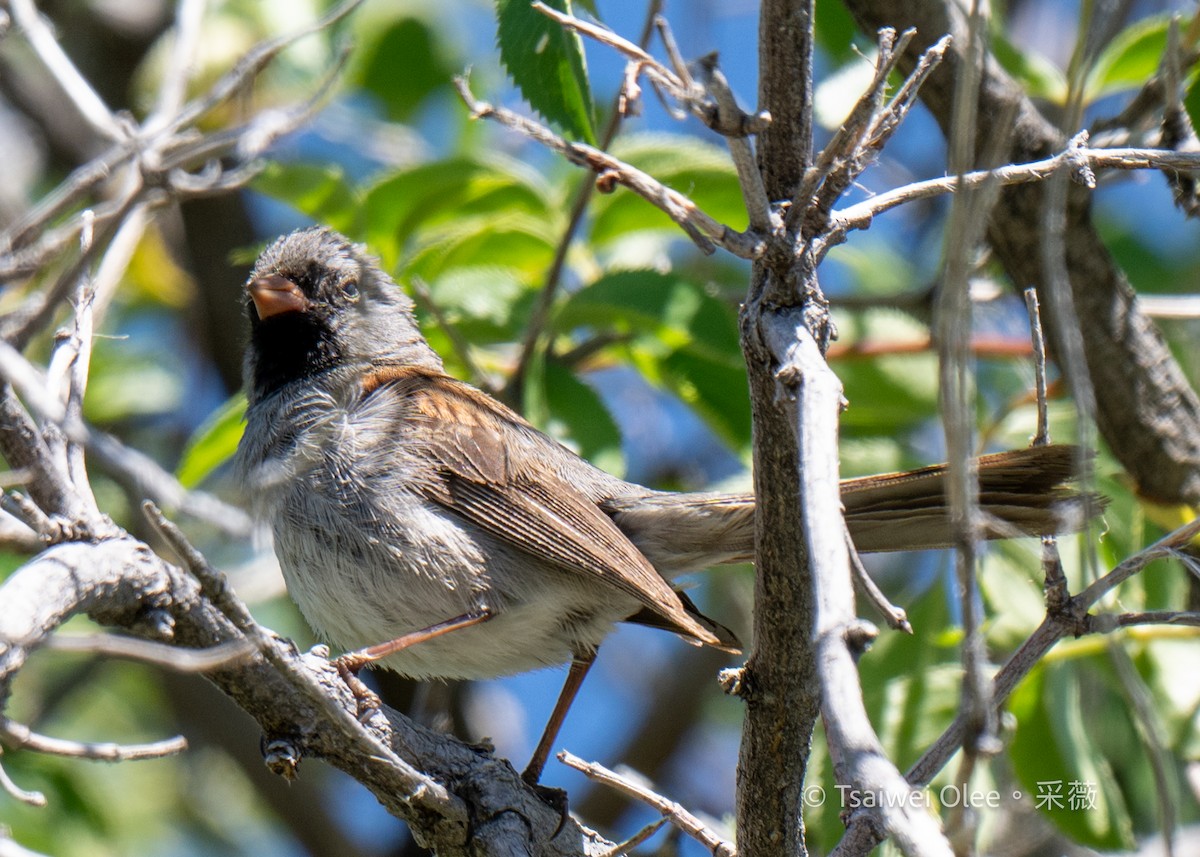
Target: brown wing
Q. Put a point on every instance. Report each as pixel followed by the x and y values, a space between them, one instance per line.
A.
pixel 493 470
pixel 1025 489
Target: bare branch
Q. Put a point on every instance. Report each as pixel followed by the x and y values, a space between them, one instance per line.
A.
pixel 45 46
pixel 812 396
pixel 118 581
pixel 860 215
pixel 1072 620
pixel 21 737
pixel 859 140
pixel 23 446
pixel 705 231
pixel 250 65
pixel 638 838
pixel 140 473
pixel 635 786
pixel 150 652
pixel 895 616
pixel 763 218
pixel 172 91
pixel 1042 436
pixel 17 793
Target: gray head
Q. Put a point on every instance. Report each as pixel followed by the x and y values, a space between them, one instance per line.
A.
pixel 317 302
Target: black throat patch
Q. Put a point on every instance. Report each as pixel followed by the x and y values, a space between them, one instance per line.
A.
pixel 289 347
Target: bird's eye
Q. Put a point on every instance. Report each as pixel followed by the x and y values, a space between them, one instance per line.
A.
pixel 350 290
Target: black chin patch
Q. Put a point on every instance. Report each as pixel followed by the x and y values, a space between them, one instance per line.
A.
pixel 289 347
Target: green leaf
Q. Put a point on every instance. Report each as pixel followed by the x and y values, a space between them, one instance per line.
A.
pixel 718 392
pixel 835 29
pixel 1129 59
pixel 684 339
pixel 1040 77
pixel 546 62
pixel 213 443
pixel 321 192
pixel 1191 99
pixel 674 310
pixel 700 170
pixel 516 241
pixel 577 413
pixel 1054 752
pixel 402 65
pixel 484 303
pixel 399 204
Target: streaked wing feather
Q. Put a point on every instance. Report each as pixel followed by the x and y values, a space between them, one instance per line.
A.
pixel 484 479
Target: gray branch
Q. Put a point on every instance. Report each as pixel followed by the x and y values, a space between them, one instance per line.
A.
pixel 458 799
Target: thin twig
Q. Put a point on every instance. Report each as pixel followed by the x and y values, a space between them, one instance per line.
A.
pixel 19 736
pixel 631 784
pixel 1108 622
pixel 250 64
pixel 538 318
pixel 1042 437
pixel 77 378
pixel 76 87
pixel 859 215
pixel 833 170
pixel 1071 621
pixel 707 232
pixel 20 327
pixel 953 312
pixel 637 838
pixel 895 616
pixel 462 348
pixel 159 654
pixel 134 468
pixel 172 92
pixel 16 792
pixel 763 217
pixel 729 121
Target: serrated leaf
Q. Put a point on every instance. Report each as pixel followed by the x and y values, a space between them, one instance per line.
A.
pixel 213 443
pixel 546 62
pixel 1129 59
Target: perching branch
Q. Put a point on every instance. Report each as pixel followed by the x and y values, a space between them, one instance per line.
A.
pixel 121 583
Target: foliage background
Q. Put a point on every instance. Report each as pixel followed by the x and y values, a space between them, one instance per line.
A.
pixel 638 367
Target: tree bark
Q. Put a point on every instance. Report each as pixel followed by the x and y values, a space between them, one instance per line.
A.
pixel 779 680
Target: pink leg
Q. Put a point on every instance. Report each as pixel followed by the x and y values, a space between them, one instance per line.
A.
pixel 579 669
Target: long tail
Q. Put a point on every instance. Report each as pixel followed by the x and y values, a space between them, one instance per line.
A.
pixel 1023 492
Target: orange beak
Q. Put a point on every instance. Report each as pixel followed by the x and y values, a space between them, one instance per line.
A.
pixel 275 295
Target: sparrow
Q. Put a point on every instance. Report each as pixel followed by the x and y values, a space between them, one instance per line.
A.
pixel 423 525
